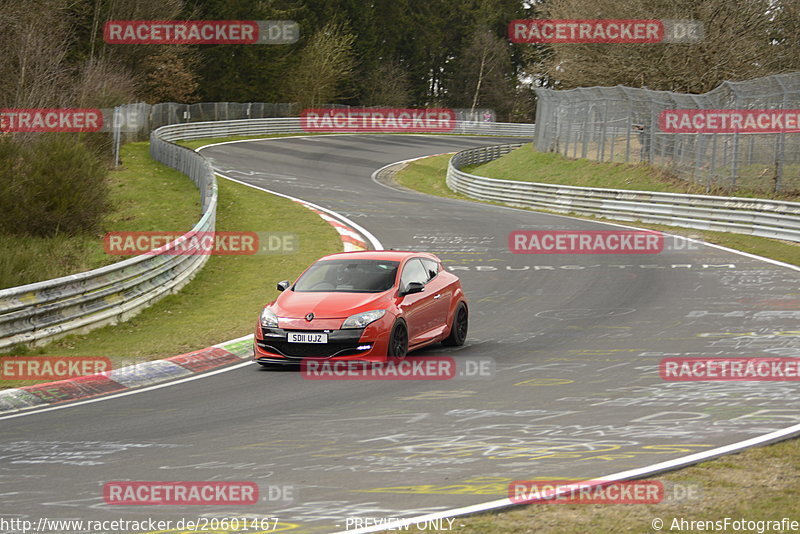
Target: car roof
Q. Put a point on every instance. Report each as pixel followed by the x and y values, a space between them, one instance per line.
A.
pixel 389 255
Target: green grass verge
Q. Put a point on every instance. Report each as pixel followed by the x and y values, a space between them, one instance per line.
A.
pixel 145 195
pixel 428 176
pixel 527 164
pixel 223 301
pixel 761 484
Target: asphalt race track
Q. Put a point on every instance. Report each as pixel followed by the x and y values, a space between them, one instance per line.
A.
pixel 576 393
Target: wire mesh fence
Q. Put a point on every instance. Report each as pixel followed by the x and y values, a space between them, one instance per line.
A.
pixel 622 124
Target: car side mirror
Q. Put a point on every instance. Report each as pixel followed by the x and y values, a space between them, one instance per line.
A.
pixel 283 286
pixel 413 287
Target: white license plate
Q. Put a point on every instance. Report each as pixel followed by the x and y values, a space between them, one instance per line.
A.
pixel 301 337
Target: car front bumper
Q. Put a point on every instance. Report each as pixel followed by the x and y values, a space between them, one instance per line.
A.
pixel 368 344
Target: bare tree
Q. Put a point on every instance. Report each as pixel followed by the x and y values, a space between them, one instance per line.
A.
pixel 159 70
pixel 102 83
pixel 786 35
pixel 35 40
pixel 52 55
pixel 171 76
pixel 325 64
pixel 737 45
pixel 484 74
pixel 388 85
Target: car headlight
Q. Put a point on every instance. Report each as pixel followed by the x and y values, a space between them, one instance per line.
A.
pixel 268 318
pixel 360 320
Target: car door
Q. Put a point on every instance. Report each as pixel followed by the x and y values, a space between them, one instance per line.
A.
pixel 442 293
pixel 419 309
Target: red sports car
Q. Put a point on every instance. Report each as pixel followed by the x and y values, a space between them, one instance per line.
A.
pixel 362 306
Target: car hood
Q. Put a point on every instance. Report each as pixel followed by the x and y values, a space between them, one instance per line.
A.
pixel 327 305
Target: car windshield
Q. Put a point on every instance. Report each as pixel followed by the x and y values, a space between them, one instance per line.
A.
pixel 349 276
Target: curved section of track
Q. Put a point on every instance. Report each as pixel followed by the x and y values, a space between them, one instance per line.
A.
pixel 576 339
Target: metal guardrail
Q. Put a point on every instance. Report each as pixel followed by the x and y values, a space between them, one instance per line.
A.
pixel 77 303
pixel 141 118
pixel 198 130
pixel 764 218
pixel 39 312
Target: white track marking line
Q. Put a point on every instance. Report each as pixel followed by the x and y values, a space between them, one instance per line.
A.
pixel 322 135
pixel 572 218
pixel 375 174
pixel 623 475
pixel 126 393
pixel 376 244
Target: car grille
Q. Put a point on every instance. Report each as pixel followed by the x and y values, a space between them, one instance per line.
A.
pixel 335 347
pixel 312 350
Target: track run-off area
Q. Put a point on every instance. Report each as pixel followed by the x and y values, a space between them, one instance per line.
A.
pixel 575 393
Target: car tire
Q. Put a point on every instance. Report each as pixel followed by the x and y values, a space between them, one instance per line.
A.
pixel 458 330
pixel 398 341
